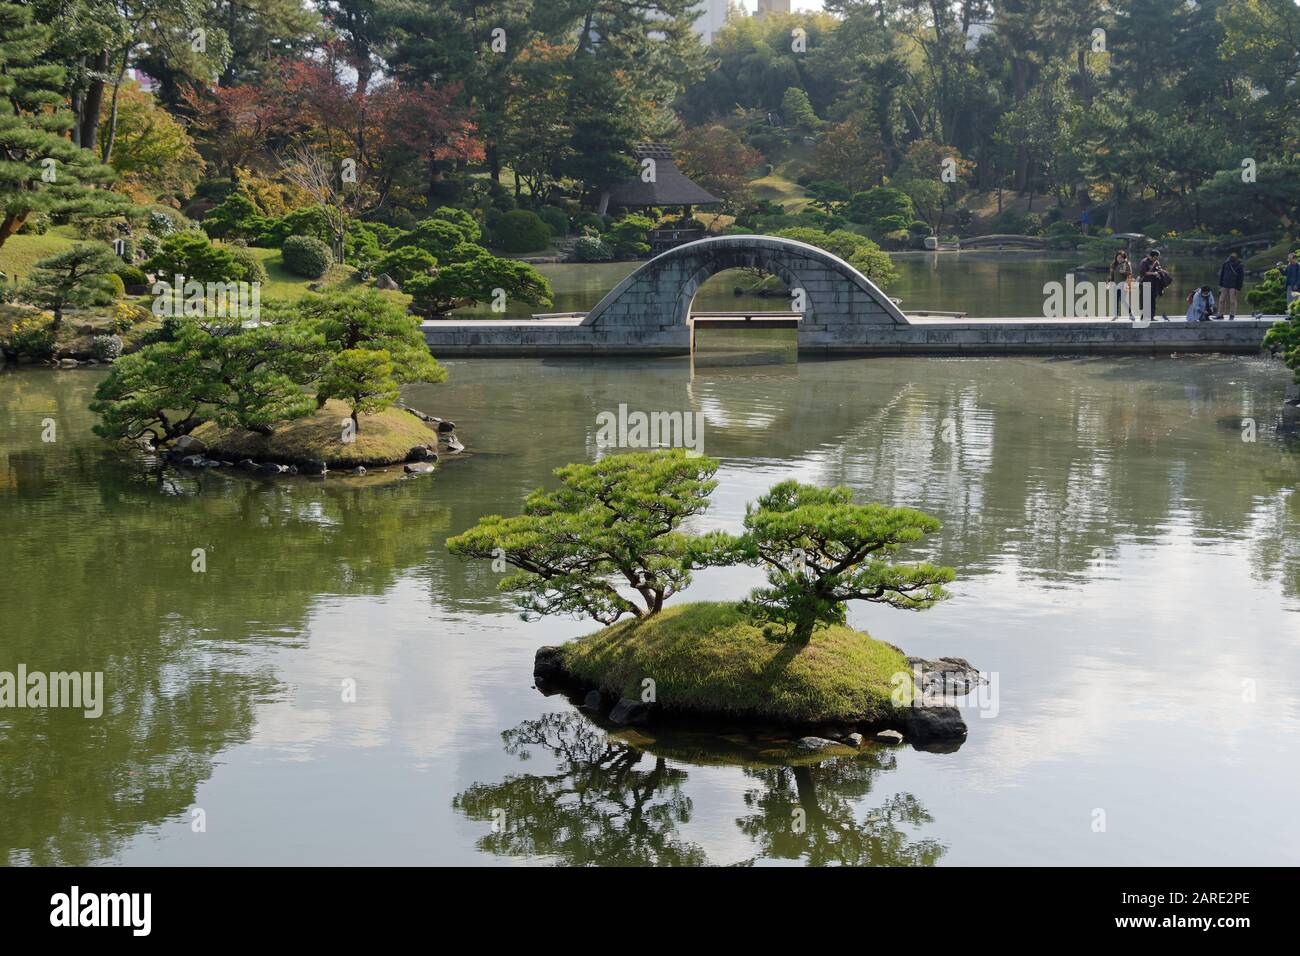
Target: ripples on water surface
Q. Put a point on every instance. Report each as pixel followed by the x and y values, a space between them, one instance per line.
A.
pixel 1126 565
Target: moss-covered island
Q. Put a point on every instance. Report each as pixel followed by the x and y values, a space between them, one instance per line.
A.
pixel 387 437
pixel 710 658
pixel 607 544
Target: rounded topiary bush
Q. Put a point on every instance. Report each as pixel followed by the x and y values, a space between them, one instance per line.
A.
pixel 132 276
pixel 306 256
pixel 591 249
pixel 106 348
pixel 254 271
pixel 522 231
pixel 111 287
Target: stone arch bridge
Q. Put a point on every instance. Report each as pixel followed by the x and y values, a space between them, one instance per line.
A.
pixel 651 307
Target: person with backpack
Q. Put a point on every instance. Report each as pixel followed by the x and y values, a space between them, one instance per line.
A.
pixel 1292 276
pixel 1200 305
pixel 1151 272
pixel 1232 276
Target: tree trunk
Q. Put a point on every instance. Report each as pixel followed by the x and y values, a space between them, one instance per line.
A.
pixel 94 102
pixel 11 223
pixel 494 162
pixel 112 113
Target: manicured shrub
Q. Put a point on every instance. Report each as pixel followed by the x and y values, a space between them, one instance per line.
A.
pixel 192 255
pixel 438 236
pixel 591 249
pixel 113 288
pixel 555 219
pixel 522 231
pixel 869 207
pixel 149 246
pixel 132 275
pixel 232 217
pixel 858 251
pixel 629 237
pixel 1269 294
pixel 462 220
pixel 161 224
pixel 406 262
pixel 106 348
pixel 254 271
pixel 306 256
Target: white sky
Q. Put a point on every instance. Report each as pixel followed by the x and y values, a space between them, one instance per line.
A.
pixel 794 4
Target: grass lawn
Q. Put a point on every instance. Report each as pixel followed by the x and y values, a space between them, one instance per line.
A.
pixel 284 285
pixel 20 253
pixel 708 658
pixel 382 439
pixel 777 188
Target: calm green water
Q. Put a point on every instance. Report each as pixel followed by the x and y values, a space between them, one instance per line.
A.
pixel 977 283
pixel 1129 569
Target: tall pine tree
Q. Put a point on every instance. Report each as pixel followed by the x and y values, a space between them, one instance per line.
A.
pixel 41 170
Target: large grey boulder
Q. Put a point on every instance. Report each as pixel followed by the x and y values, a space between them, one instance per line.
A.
pixel 418 468
pixel 817 743
pixel 188 445
pixel 549 663
pixel 385 281
pixel 946 677
pixel 925 725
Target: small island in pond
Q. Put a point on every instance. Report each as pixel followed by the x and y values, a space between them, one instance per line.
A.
pixel 390 436
pixel 606 544
pixel 309 387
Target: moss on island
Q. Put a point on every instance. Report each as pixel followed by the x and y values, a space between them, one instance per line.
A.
pixel 384 438
pixel 709 658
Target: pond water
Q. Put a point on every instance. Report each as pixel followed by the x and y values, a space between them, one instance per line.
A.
pixel 982 284
pixel 1128 573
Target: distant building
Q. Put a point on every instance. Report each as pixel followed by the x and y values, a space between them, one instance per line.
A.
pixel 669 187
pixel 713 14
pixel 772 6
pixel 977 30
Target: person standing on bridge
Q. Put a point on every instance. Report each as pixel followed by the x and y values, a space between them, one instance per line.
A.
pixel 1121 282
pixel 1153 274
pixel 1232 276
pixel 1292 276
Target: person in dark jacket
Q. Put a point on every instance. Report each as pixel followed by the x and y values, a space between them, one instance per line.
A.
pixel 1152 274
pixel 1232 276
pixel 1292 276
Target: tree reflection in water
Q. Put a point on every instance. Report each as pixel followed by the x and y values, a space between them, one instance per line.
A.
pixel 621 802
